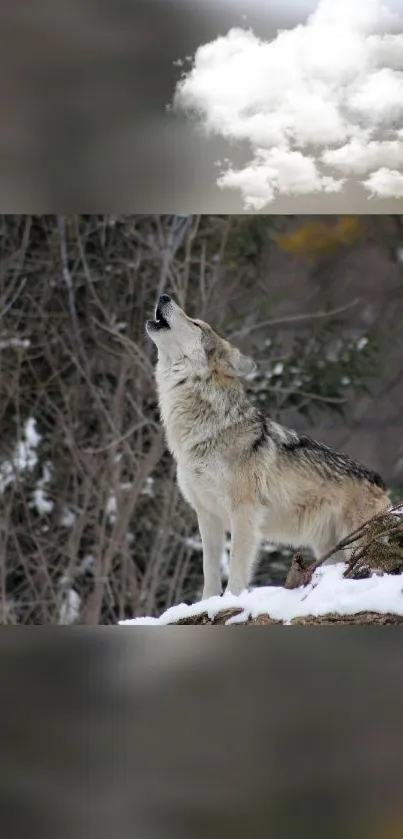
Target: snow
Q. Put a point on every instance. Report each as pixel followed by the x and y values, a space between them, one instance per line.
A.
pixel 148 488
pixel 15 342
pixel 70 607
pixel 111 508
pixel 328 592
pixel 25 456
pixel 42 502
pixel 87 563
pixel 67 518
pixel 40 497
pixel 194 542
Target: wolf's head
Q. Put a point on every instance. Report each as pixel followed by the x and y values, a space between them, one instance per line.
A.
pixel 188 346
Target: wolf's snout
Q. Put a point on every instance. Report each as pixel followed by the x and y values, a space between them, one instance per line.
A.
pixel 160 322
pixel 163 301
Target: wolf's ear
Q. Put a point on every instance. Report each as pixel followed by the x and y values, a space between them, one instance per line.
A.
pixel 238 365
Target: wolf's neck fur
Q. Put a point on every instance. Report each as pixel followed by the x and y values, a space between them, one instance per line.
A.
pixel 198 411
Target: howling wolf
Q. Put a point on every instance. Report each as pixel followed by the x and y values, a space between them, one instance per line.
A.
pixel 240 471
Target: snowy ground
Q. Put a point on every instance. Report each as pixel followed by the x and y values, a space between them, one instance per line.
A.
pixel 329 592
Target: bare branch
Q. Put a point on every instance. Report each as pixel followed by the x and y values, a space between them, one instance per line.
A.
pixel 294 319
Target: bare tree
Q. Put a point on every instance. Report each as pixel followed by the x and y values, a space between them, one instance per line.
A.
pixel 92 527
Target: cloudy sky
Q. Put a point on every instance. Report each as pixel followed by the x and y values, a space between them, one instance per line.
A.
pixel 309 112
pixel 203 106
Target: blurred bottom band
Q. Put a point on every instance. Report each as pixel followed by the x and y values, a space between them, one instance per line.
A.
pixel 122 733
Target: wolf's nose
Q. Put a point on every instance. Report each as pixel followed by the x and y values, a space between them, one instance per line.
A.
pixel 164 298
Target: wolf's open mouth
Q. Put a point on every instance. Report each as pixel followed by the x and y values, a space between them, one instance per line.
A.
pixel 160 322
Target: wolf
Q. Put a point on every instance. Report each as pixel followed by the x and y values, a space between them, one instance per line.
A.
pixel 242 472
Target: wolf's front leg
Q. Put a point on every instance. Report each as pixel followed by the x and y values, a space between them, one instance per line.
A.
pixel 212 535
pixel 245 541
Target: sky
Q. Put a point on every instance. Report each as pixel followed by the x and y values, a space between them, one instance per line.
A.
pixel 318 106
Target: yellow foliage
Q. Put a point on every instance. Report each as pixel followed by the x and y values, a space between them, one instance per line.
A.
pixel 391 828
pixel 320 238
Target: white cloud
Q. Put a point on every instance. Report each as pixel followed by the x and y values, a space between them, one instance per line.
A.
pixel 318 97
pixel 358 157
pixel 379 96
pixel 277 170
pixel 385 183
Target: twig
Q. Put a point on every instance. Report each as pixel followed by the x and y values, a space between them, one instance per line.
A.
pixel 338 400
pixel 353 536
pixel 61 223
pixel 293 319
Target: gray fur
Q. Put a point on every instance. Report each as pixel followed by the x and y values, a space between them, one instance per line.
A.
pixel 243 472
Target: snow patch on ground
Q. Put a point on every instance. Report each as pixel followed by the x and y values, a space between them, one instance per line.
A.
pixel 329 592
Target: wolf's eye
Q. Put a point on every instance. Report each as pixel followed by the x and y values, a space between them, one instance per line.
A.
pixel 196 324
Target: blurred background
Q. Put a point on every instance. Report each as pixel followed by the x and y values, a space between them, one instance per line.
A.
pixel 166 734
pixel 93 529
pixel 84 92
